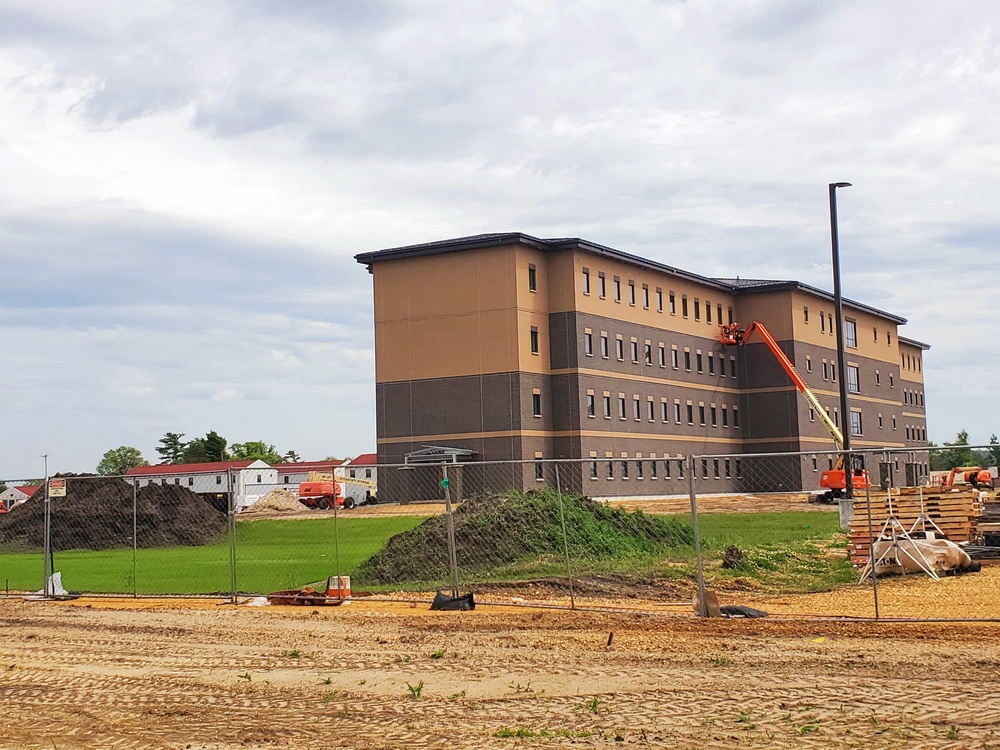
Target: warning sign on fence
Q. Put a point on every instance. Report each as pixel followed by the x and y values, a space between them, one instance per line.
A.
pixel 57 488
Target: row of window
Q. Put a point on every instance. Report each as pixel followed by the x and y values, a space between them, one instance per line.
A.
pixel 699 360
pixel 913 398
pixel 916 433
pixel 909 362
pixel 826 325
pixel 677 411
pixel 671 468
pixel 634 293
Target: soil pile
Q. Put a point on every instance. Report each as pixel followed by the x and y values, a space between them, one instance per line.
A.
pixel 498 530
pixel 276 501
pixel 96 514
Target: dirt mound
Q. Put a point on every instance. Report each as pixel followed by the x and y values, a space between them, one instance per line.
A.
pixel 499 530
pixel 96 514
pixel 276 501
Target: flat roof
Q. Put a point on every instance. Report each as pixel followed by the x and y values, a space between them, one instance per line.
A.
pixel 913 342
pixel 735 286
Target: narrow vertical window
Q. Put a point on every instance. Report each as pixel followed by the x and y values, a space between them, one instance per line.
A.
pixel 536 404
pixel 631 292
pixel 618 289
pixel 534 339
pixel 602 287
pixel 532 278
pixel 673 304
pixel 684 305
pixel 588 344
pixel 586 281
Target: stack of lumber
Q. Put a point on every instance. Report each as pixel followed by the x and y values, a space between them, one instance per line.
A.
pixel 989 522
pixel 956 514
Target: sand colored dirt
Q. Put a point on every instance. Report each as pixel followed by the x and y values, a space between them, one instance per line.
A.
pixel 276 502
pixel 217 677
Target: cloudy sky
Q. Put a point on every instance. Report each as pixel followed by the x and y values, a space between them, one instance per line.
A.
pixel 183 186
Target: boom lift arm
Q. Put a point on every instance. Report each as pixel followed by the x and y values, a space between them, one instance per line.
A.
pixel 734 335
pixel 834 480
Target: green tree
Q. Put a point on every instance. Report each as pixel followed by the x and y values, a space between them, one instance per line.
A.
pixel 118 461
pixel 210 448
pixel 291 457
pixel 255 450
pixel 993 452
pixel 955 454
pixel 171 448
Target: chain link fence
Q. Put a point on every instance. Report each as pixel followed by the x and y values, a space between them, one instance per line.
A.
pixel 771 532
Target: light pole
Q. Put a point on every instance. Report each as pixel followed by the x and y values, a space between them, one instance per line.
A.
pixel 838 309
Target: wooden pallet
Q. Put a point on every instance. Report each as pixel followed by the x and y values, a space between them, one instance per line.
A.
pixel 955 513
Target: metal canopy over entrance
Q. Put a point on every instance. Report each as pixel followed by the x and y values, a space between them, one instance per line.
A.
pixel 435 454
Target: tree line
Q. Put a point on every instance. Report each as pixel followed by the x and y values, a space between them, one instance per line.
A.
pixel 174 449
pixel 958 453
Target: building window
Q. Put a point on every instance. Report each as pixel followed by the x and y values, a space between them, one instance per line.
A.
pixel 729 473
pixel 677 412
pixel 698 361
pixel 607 407
pixel 620 349
pixel 684 305
pixel 690 413
pixel 701 414
pixel 218 479
pixel 718 309
pixel 680 468
pixel 611 469
pixel 539 470
pixel 604 345
pixel 662 352
pixel 638 469
pixel 659 300
pixel 624 469
pixel 673 304
pixel 833 372
pixel 853 379
pixel 618 289
pixel 634 351
pixel 856 423
pixel 664 411
pixel 822 323
pixel 651 410
pixel 687 360
pixel 892 381
pixel 732 366
pixel 602 285
pixel 536 404
pixel 593 469
pixel 736 417
pixel 666 468
pixel 645 296
pixel 880 421
pixel 708 312
pixel 631 292
pixel 704 468
pixel 534 340
pixel 878 378
pixel 191 481
pixel 715 416
pixel 851 333
pixel 532 278
pixel 697 309
pixel 586 281
pixel 888 338
pixel 588 344
pixel 715 468
pixel 621 407
pixel 875 333
pixel 649 354
pixel 805 314
pixel 826 370
pixel 711 363
pixel 809 363
pixel 815 467
pixel 673 358
pixel 725 416
pixel 591 405
pixel 812 414
pixel 652 469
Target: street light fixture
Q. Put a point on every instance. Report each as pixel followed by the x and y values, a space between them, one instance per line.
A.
pixel 838 308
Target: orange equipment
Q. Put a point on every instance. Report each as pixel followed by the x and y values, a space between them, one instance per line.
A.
pixel 973 475
pixel 833 481
pixel 321 494
pixel 3 507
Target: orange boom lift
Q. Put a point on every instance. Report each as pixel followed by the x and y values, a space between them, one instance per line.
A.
pixel 833 481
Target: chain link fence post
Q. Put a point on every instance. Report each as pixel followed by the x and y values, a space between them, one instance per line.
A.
pixel 231 503
pixel 452 553
pixel 562 521
pixel 871 532
pixel 702 606
pixel 47 542
pixel 135 539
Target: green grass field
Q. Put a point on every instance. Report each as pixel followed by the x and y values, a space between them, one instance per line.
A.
pixel 785 551
pixel 270 556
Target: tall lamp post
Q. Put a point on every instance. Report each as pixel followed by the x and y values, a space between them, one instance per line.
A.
pixel 838 308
